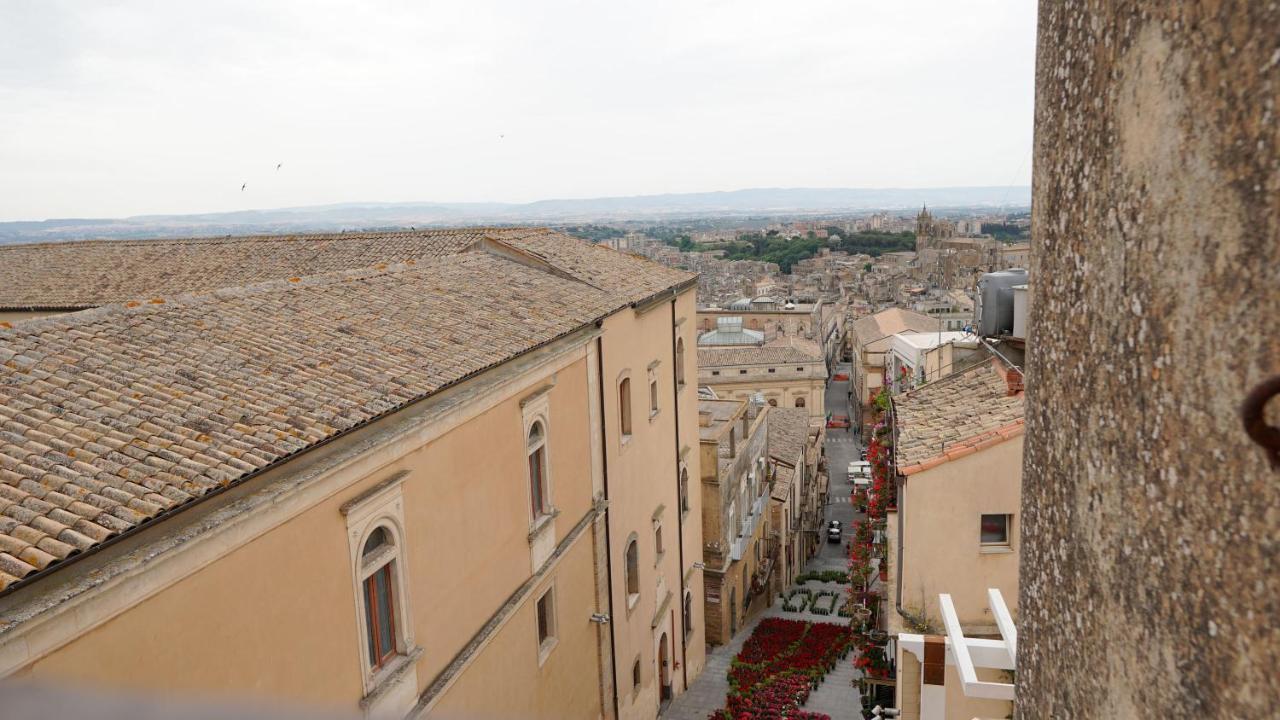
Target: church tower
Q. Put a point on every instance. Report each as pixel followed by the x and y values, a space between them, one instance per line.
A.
pixel 924 230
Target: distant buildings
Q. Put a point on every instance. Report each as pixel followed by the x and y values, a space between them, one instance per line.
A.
pixel 792 374
pixel 871 340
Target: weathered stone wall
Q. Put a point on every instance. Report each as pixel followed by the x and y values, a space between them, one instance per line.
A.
pixel 1150 567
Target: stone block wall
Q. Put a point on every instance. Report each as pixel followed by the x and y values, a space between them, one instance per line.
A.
pixel 1151 540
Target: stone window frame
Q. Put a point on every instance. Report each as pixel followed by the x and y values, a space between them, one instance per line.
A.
pixel 537 411
pixel 655 402
pixel 679 369
pixel 659 547
pixel 381 508
pixel 683 484
pixel 686 607
pixel 626 411
pixel 637 678
pixel 631 571
pixel 553 632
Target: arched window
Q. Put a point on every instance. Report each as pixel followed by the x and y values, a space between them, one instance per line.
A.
pixel 773 402
pixel 684 490
pixel 679 362
pixel 633 568
pixel 537 450
pixel 624 405
pixel 799 402
pixel 378 560
pixel 688 613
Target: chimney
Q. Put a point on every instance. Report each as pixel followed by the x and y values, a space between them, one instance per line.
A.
pixel 1013 379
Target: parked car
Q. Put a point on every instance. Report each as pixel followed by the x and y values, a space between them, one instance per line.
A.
pixel 834 531
pixel 840 377
pixel 863 454
pixel 838 421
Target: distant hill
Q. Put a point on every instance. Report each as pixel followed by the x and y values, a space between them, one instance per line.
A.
pixel 356 216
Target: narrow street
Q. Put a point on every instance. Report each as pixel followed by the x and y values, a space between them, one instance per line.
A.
pixel 838 695
pixel 843 447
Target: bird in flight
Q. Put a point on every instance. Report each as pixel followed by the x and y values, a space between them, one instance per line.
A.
pixel 501 136
pixel 242 187
pixel 279 165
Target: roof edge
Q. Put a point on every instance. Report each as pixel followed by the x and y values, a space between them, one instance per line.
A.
pixel 968 446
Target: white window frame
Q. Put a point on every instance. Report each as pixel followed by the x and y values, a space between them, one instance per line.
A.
pixel 1000 546
pixel 381 509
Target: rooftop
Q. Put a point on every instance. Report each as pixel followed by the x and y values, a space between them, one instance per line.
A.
pixel 74 275
pixel 955 416
pixel 798 350
pixel 110 417
pixel 788 432
pixel 718 415
pixel 894 320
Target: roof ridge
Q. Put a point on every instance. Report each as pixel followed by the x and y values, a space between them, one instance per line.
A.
pixel 85 317
pixel 266 237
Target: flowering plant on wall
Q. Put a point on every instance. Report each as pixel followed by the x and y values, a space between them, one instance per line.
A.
pixel 872 660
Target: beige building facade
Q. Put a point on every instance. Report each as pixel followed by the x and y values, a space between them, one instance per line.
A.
pixel 792 375
pixel 796 454
pixel 493 510
pixel 739 550
pixel 956 526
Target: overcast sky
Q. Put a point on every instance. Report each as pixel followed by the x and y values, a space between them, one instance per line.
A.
pixel 139 107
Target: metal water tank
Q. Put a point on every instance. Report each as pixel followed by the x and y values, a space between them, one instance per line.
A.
pixel 994 310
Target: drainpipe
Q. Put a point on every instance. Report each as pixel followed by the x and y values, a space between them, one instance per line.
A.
pixel 899 483
pixel 675 406
pixel 608 546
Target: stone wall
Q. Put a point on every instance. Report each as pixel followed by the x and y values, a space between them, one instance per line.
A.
pixel 1150 568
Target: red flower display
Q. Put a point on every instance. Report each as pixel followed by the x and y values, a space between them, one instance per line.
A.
pixel 779 665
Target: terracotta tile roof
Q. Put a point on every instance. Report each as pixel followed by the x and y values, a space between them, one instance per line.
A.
pixel 894 320
pixel 98 272
pixel 598 265
pixel 112 416
pixel 953 417
pixel 803 351
pixel 782 478
pixel 788 432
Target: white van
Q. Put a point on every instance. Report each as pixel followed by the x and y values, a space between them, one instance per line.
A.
pixel 860 472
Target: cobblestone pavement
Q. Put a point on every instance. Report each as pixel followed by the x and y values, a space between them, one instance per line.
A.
pixel 837 696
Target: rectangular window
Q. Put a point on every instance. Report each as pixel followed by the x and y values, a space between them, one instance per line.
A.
pixel 995 530
pixel 546 619
pixel 715 372
pixel 773 369
pixel 653 397
pixel 742 372
pixel 379 616
pixel 657 540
